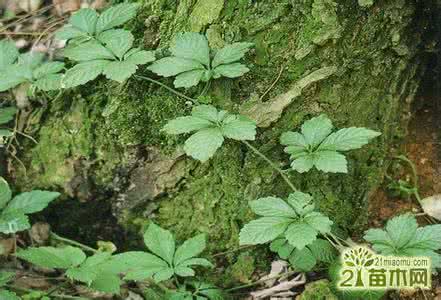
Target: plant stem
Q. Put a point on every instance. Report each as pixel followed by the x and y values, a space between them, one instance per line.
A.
pixel 414 174
pixel 68 241
pixel 272 164
pixel 167 88
pixel 260 281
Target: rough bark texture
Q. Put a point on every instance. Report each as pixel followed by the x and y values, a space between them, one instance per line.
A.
pixel 356 62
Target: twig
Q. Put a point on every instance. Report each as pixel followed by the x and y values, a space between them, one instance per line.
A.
pixel 273 84
pixel 272 164
pixel 167 88
pixel 75 243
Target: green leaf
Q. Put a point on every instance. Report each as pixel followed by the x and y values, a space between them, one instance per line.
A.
pixel 300 235
pixel 209 291
pixel 295 141
pixel 348 139
pixel 48 68
pixel 50 257
pixel 84 19
pixel 330 162
pixel 7 114
pixel 303 260
pixel 139 57
pixel 323 251
pixel 231 53
pixel 186 125
pixel 263 230
pixel 301 202
pixel 49 83
pixel 239 128
pixel 188 79
pixel 162 275
pixel 190 248
pixel 316 130
pixel 30 59
pixel 8 53
pixel 116 15
pixel 427 237
pixel 184 271
pixel 401 229
pixel 203 144
pixel 107 283
pixel 377 236
pixel 192 46
pixel 31 202
pixel 272 207
pixel 119 41
pixel 138 265
pixel 171 66
pixel 119 70
pixel 13 222
pixel 5 277
pixel 10 78
pixel 89 269
pixel 5 192
pixel 230 71
pixel 161 242
pixel 207 112
pixel 303 164
pixel 5 133
pixel 83 72
pixel 7 295
pixel 88 51
pixel 68 32
pixel 319 222
pixel 197 262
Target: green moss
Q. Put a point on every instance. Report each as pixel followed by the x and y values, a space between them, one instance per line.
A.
pixel 318 290
pixel 205 12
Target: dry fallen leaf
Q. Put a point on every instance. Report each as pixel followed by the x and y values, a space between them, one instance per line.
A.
pixel 282 289
pixel 40 232
pixel 29 5
pixel 66 6
pixel 432 206
pixel 6 246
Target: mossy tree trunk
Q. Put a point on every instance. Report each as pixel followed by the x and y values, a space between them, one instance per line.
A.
pixel 356 62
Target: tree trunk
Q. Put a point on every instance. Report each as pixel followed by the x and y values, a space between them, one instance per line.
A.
pixel 356 62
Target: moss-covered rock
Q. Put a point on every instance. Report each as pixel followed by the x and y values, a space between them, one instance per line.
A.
pixel 109 135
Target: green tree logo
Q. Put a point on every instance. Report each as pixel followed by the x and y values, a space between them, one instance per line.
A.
pixel 358 258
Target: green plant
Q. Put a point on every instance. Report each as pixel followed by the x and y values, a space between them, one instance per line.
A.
pixel 13 216
pixel 166 260
pixel 16 68
pixel 294 219
pixel 317 147
pixel 98 48
pixel 191 61
pixel 195 290
pixel 402 237
pixel 212 127
pixel 306 259
pixel 7 114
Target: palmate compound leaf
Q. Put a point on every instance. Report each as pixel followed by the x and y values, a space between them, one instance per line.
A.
pixel 85 20
pixel 31 202
pixel 191 61
pixel 316 147
pixel 212 127
pixel 119 41
pixel 294 220
pixel 50 257
pixel 88 51
pixel 90 268
pixel 83 72
pixel 189 249
pixel 401 237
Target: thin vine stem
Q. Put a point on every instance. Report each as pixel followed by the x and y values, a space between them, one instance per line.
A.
pixel 272 164
pixel 74 243
pixel 414 174
pixel 167 88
